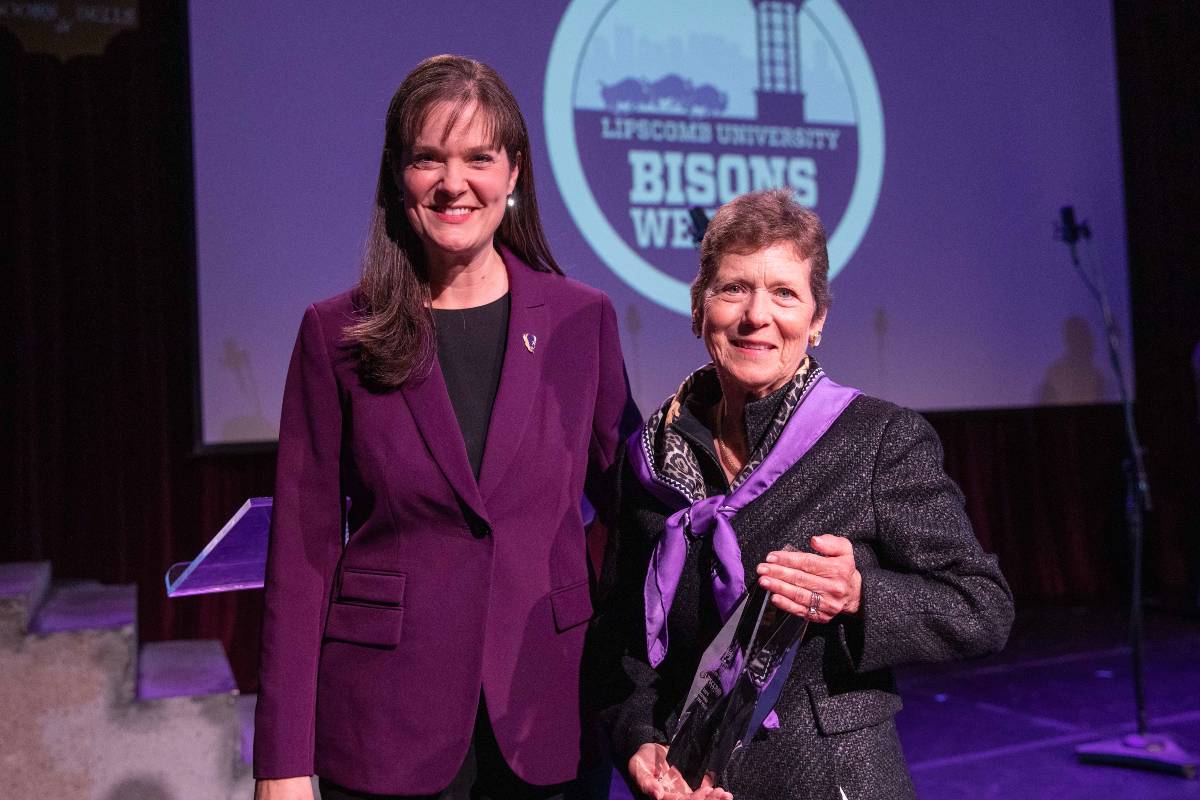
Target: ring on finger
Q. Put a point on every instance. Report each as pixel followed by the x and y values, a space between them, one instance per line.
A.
pixel 814 605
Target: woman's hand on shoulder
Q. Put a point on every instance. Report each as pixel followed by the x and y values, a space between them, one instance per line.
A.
pixel 657 779
pixel 818 585
pixel 284 789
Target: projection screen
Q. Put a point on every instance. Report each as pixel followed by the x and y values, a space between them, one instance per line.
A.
pixel 936 140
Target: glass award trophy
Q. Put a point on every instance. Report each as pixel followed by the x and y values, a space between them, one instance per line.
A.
pixel 735 688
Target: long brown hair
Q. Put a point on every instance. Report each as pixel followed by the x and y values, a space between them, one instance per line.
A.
pixel 394 332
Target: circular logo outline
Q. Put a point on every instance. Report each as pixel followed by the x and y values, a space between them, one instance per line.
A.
pixel 558 108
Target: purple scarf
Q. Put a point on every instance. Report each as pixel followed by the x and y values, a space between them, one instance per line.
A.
pixel 712 516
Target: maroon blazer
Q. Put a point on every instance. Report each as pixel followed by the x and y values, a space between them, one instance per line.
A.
pixel 374 654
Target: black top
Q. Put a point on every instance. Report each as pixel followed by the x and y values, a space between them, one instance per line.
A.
pixel 471 353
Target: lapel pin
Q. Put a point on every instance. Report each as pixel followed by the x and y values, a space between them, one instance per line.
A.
pixel 530 341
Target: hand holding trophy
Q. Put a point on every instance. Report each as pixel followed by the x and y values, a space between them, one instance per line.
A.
pixel 657 779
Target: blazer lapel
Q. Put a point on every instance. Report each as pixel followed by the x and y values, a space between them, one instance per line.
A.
pixel 521 375
pixel 429 403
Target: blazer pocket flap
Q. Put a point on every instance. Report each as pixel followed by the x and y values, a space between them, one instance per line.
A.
pixel 842 713
pixel 572 605
pixel 368 586
pixel 364 624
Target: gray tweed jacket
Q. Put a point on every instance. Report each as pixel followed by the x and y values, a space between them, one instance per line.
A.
pixel 929 593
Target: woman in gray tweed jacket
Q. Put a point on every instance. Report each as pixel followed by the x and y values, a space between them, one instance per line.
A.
pixel 762 470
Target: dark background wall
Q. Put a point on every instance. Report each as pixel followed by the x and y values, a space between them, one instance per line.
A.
pixel 96 394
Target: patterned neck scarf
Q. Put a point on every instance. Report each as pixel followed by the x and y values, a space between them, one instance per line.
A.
pixel 675 463
pixel 671 473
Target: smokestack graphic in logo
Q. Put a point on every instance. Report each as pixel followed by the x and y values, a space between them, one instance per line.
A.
pixel 780 91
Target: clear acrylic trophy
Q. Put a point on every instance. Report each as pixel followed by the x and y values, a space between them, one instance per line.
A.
pixel 735 688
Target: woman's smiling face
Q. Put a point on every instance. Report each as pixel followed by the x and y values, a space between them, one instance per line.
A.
pixel 758 315
pixel 456 186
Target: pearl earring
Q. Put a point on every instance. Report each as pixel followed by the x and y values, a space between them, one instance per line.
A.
pixel 511 201
pixel 814 339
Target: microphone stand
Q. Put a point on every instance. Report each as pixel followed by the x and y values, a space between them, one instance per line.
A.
pixel 1142 749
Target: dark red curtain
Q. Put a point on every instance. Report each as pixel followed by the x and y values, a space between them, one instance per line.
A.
pixel 96 236
pixel 100 477
pixel 1158 65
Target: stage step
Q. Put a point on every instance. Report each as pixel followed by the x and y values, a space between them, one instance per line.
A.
pixel 184 669
pixel 246 704
pixel 84 714
pixel 86 605
pixel 23 587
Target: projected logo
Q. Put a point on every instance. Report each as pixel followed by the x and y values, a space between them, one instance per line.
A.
pixel 652 109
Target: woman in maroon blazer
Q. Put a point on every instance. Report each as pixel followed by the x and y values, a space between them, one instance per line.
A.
pixel 427 585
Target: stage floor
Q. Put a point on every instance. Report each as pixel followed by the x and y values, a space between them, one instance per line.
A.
pixel 1007 726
